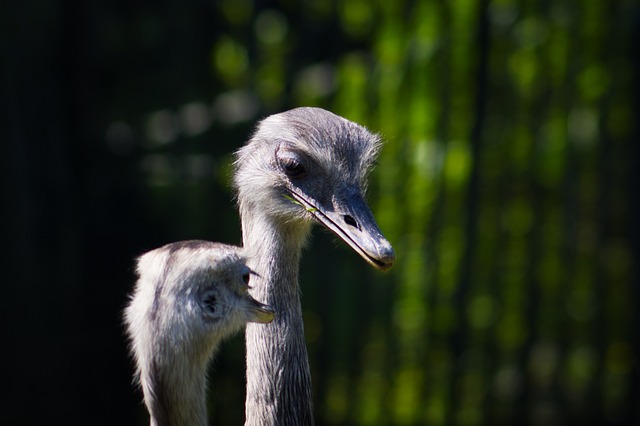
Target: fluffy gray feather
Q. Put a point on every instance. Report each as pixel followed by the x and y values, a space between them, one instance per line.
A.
pixel 189 296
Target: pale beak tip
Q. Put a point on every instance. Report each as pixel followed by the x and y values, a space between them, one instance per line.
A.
pixel 264 315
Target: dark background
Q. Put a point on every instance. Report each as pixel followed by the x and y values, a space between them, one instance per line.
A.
pixel 508 186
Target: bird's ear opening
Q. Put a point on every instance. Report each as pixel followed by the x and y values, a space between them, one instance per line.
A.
pixel 210 303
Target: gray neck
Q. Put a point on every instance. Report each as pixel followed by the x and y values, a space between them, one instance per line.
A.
pixel 176 394
pixel 278 376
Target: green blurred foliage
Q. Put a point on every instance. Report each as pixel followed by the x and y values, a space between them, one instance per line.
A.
pixel 507 131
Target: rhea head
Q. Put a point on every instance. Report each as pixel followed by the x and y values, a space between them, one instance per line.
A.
pixel 309 165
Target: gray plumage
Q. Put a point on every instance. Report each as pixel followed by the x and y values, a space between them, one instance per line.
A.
pixel 301 166
pixel 189 296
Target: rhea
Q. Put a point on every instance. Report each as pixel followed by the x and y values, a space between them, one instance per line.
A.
pixel 301 166
pixel 189 296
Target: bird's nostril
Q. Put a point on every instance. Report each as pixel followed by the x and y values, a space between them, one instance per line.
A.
pixel 349 220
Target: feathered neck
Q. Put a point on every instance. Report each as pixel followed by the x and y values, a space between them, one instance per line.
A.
pixel 278 375
pixel 176 390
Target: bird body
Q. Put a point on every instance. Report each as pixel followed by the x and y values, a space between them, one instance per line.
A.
pixel 302 166
pixel 189 296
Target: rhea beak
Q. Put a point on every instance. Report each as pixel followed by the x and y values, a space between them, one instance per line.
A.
pixel 351 219
pixel 259 312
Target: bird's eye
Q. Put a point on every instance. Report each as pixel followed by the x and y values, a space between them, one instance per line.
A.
pixel 245 278
pixel 293 168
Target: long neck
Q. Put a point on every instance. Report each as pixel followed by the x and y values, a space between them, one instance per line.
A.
pixel 176 391
pixel 278 376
